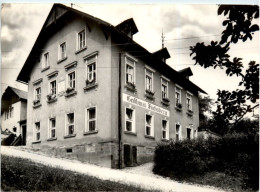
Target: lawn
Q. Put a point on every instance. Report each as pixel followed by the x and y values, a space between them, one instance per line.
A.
pixel 25 175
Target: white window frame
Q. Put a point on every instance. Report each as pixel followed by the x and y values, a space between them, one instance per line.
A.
pixel 179 133
pixel 151 125
pixel 61 57
pixel 46 60
pixel 36 132
pixel 88 119
pixel 67 124
pixel 52 128
pixel 78 39
pixel 50 88
pixel 90 60
pixel 148 69
pixel 167 87
pixel 165 129
pixel 128 57
pixel 189 95
pixel 130 120
pixel 67 78
pixel 176 91
pixel 35 93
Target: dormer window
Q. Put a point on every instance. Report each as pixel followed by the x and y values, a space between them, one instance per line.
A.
pixel 82 39
pixel 45 62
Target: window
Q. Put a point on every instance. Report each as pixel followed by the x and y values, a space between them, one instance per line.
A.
pixel 149 125
pixel 148 80
pixel 189 101
pixel 165 129
pixel 81 39
pixel 130 70
pixel 62 51
pixel 37 131
pixel 188 133
pixel 11 111
pixel 91 119
pixel 53 87
pixel 178 96
pixel 164 89
pixel 52 126
pixel 45 60
pixel 70 124
pixel 130 120
pixel 71 80
pixel 91 68
pixel 178 132
pixel 37 94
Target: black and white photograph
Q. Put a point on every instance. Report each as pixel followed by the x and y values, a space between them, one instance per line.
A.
pixel 130 96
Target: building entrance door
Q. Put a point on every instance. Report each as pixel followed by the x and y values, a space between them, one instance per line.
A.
pixel 24 135
pixel 127 155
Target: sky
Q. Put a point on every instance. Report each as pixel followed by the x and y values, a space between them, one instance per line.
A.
pixel 183 25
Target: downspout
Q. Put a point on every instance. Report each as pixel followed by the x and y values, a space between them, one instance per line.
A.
pixel 119 118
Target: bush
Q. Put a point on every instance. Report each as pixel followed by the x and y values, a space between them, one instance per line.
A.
pixel 235 154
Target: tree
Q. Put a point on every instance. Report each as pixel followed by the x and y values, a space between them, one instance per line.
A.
pixel 205 106
pixel 232 106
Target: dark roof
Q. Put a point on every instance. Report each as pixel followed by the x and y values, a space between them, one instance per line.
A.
pixel 128 26
pixel 20 93
pixel 162 53
pixel 186 72
pixel 162 67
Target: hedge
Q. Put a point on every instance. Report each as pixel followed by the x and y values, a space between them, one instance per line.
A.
pixel 234 154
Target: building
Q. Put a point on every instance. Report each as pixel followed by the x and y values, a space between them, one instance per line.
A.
pixel 98 96
pixel 14 113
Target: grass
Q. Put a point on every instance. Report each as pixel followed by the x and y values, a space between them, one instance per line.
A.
pixel 24 175
pixel 217 179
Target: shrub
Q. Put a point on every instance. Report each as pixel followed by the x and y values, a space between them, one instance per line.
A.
pixel 235 154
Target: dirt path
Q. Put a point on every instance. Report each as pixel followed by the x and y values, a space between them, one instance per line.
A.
pixel 138 176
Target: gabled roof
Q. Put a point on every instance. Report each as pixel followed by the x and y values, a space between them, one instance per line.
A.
pixel 186 72
pixel 58 11
pixel 162 53
pixel 128 26
pixel 20 93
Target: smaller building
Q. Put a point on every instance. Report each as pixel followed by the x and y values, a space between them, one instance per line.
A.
pixel 14 112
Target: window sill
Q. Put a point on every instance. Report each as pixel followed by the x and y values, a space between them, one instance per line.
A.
pixel 130 133
pixel 52 100
pixel 45 69
pixel 166 140
pixel 149 137
pixel 37 105
pixel 69 136
pixel 178 108
pixel 35 142
pixel 52 139
pixel 166 103
pixel 80 50
pixel 130 88
pixel 90 132
pixel 63 59
pixel 90 86
pixel 149 96
pixel 190 113
pixel 70 93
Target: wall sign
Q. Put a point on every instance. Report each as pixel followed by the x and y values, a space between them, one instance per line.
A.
pixel 144 104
